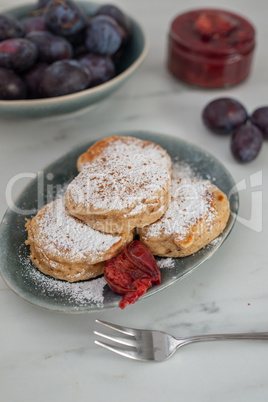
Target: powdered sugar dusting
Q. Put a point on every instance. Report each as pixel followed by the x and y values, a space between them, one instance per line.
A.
pixel 182 170
pixel 190 201
pixel 77 294
pixel 130 147
pixel 166 263
pixel 126 180
pixel 215 242
pixel 70 238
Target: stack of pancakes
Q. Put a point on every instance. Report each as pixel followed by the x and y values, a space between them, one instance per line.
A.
pixel 124 186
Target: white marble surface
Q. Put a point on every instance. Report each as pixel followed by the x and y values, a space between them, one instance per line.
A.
pixel 47 356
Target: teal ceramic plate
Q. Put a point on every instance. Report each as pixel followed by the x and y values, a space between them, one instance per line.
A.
pixel 132 58
pixel 26 281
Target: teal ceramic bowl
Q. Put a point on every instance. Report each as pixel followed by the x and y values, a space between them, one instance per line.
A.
pixel 36 108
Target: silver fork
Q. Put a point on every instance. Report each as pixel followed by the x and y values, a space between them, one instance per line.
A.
pixel 140 344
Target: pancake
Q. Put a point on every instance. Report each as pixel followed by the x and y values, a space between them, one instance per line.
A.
pixel 197 214
pixel 126 146
pixel 124 183
pixel 65 248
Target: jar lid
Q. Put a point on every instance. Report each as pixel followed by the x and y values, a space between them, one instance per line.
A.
pixel 212 31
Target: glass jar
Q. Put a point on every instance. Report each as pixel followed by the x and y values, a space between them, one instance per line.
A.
pixel 211 48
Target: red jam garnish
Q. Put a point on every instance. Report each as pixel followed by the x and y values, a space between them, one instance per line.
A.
pixel 211 48
pixel 132 272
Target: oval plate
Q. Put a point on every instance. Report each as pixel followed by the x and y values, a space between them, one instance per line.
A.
pixel 43 291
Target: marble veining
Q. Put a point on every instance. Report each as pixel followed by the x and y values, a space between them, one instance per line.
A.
pixel 47 356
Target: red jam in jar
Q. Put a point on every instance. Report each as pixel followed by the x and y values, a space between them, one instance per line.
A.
pixel 211 48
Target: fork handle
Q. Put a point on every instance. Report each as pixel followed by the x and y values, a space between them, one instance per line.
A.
pixel 223 337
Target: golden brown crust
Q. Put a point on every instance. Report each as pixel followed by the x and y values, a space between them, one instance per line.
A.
pixel 124 183
pixel 206 229
pixel 63 270
pixel 101 149
pixel 70 251
pixel 114 223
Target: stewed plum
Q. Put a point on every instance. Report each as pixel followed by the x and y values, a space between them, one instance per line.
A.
pixel 63 77
pixel 260 119
pixel 64 17
pixel 246 143
pixel 51 47
pixel 101 68
pixel 224 115
pixel 12 86
pixel 132 272
pixel 10 27
pixel 104 35
pixel 17 53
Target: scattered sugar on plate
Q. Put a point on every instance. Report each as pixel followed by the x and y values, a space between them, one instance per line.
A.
pixel 215 242
pixel 78 293
pixel 181 170
pixel 166 263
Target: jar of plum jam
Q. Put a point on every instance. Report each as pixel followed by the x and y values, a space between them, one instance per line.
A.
pixel 211 48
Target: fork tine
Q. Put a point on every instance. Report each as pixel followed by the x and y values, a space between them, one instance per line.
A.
pixel 120 351
pixel 122 341
pixel 123 330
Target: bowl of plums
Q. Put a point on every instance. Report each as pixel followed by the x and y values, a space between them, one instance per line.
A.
pixel 64 56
